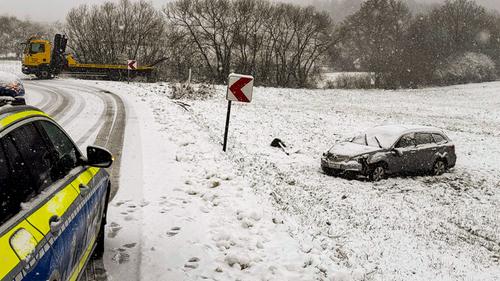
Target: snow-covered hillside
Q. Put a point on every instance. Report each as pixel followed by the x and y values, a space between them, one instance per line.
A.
pixel 187 211
pixel 415 228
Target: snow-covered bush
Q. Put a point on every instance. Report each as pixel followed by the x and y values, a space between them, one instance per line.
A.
pixel 349 81
pixel 465 68
pixel 190 92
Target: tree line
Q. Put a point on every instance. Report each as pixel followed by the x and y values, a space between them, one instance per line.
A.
pixel 286 45
pixel 457 42
pixel 280 44
pixel 14 32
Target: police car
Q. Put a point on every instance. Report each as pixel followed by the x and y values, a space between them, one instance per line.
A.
pixel 53 200
pixel 11 89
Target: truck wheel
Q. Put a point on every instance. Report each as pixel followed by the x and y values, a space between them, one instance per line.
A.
pixel 43 74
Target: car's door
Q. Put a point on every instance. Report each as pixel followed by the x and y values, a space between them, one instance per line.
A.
pixel 426 149
pixel 55 212
pixel 26 156
pixel 403 160
pixel 86 221
pixel 18 239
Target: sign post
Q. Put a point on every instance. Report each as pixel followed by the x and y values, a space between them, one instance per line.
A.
pixel 239 89
pixel 226 131
pixel 131 65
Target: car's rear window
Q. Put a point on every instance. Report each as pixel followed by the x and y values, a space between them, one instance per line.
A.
pixel 439 138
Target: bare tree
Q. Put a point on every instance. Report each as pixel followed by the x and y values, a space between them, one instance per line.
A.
pixel 15 31
pixel 278 43
pixel 112 33
pixel 375 35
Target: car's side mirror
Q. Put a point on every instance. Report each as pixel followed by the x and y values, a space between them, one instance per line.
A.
pixel 99 157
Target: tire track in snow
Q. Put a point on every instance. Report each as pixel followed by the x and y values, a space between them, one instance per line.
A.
pixel 111 122
pixel 60 102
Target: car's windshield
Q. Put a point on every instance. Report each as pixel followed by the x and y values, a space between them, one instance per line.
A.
pixel 370 140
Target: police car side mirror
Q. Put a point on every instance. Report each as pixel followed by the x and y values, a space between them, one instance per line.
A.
pixel 99 157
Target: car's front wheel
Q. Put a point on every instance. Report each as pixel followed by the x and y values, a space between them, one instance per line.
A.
pixel 377 173
pixel 439 167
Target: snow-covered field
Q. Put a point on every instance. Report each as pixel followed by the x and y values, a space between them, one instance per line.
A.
pixel 187 211
pixel 416 228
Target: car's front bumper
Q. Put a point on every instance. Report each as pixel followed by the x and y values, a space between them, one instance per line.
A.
pixel 345 166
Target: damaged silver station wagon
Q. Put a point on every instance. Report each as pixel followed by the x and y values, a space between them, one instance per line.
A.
pixel 393 149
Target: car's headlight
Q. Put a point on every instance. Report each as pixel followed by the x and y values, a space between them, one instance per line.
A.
pixel 360 158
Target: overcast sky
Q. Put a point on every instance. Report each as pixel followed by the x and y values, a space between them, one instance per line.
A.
pixel 48 10
pixel 56 10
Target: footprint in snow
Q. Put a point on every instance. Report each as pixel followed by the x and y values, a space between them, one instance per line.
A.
pixel 173 231
pixel 130 245
pixel 163 211
pixel 192 263
pixel 114 228
pixel 121 257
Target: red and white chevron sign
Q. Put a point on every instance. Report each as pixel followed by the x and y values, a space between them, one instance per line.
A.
pixel 132 64
pixel 239 88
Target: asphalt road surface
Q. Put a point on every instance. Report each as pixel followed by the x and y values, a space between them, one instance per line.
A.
pixel 91 116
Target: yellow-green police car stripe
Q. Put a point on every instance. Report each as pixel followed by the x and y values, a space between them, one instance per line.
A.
pixel 20 115
pixel 8 258
pixel 76 272
pixel 57 205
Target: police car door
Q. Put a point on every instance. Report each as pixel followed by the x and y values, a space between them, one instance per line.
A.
pixel 84 220
pixel 54 210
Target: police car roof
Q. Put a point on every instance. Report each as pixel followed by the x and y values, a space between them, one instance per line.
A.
pixel 18 108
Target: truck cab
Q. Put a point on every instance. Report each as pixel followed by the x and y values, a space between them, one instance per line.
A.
pixel 36 58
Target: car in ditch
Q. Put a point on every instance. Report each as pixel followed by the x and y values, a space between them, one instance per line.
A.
pixel 11 89
pixel 53 199
pixel 391 149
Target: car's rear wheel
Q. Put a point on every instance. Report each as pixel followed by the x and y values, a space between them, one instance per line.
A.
pixel 439 167
pixel 378 173
pixel 99 248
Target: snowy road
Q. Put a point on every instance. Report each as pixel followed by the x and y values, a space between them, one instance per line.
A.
pixel 90 115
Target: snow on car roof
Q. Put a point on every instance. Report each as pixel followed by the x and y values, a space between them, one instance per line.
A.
pixel 6 77
pixel 387 135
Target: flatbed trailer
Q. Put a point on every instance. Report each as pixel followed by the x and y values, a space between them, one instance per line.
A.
pixel 46 60
pixel 112 71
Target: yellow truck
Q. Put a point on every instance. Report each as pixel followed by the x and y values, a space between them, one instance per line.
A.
pixel 46 60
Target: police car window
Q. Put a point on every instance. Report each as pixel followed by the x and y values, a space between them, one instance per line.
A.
pixel 405 141
pixel 66 154
pixel 423 138
pixel 20 186
pixel 34 153
pixel 8 206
